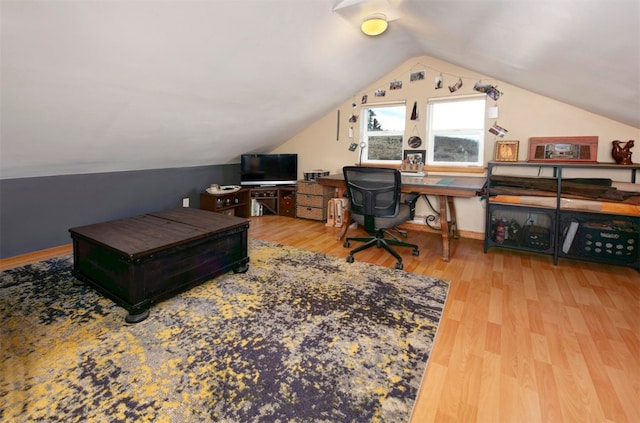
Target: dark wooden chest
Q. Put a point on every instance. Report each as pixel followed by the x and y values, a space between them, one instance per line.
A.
pixel 143 259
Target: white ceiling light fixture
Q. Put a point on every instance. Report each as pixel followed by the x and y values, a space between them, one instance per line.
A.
pixel 374 24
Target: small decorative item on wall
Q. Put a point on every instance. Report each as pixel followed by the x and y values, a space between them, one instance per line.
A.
pixel 482 87
pixel 414 142
pixel 380 93
pixel 494 93
pixel 438 82
pixel 395 85
pixel 417 76
pixel 621 152
pixel 490 90
pixel 455 87
pixel 563 149
pixel 414 156
pixel 506 151
pixel 498 130
pixel 414 111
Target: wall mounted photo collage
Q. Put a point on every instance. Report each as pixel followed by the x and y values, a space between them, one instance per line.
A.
pixel 417 75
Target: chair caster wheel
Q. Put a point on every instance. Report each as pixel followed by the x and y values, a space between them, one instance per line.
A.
pixel 346 244
pixel 399 266
pixel 350 259
pixel 415 252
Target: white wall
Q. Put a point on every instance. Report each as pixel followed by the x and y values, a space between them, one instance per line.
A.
pixel 524 113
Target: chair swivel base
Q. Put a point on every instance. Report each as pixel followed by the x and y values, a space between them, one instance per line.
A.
pixel 380 243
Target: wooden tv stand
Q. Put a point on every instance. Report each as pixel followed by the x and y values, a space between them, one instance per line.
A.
pixel 275 200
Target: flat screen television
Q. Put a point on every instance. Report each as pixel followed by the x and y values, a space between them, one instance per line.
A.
pixel 268 169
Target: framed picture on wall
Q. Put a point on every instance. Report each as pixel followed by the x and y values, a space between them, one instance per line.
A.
pixel 414 156
pixel 506 151
pixel 563 149
pixel 417 76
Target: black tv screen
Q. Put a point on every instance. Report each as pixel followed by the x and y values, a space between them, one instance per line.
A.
pixel 268 169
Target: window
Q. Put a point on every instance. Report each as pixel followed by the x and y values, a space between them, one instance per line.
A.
pixel 383 132
pixel 455 131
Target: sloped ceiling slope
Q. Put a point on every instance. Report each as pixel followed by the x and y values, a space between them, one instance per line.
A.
pixel 96 86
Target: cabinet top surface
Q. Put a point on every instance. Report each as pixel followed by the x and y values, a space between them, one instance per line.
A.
pixel 145 234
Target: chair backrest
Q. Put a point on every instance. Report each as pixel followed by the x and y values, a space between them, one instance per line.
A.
pixel 373 191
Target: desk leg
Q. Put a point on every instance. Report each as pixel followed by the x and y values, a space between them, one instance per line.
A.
pixel 346 220
pixel 444 227
pixel 454 218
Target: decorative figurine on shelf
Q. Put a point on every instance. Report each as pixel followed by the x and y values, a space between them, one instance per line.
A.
pixel 622 153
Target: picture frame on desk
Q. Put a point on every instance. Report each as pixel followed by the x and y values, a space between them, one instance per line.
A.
pixel 506 151
pixel 414 156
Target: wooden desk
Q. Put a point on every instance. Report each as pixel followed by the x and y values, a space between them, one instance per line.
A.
pixel 446 188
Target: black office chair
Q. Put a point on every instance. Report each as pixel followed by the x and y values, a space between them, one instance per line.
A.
pixel 375 202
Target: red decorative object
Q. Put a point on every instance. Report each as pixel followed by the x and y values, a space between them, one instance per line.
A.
pixel 621 152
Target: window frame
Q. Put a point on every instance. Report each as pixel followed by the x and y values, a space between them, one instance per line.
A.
pixel 465 132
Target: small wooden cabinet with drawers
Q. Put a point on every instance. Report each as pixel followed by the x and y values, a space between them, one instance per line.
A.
pixel 272 201
pixel 312 199
pixel 287 200
pixel 234 204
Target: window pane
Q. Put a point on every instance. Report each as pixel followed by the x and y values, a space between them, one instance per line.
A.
pixel 385 147
pixel 464 149
pixel 456 132
pixel 458 114
pixel 386 118
pixel 383 132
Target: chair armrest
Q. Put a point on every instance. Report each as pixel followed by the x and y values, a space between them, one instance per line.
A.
pixel 410 200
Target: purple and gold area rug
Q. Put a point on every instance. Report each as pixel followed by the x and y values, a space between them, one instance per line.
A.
pixel 300 337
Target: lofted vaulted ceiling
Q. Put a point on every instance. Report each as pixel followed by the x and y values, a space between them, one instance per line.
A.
pixel 95 86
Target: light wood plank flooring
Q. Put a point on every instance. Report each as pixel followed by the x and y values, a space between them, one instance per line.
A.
pixel 521 340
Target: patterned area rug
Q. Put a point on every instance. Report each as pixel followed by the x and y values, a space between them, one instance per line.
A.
pixel 300 337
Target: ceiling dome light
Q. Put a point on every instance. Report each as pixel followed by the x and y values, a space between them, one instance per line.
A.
pixel 374 24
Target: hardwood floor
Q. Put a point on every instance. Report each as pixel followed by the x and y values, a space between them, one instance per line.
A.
pixel 521 340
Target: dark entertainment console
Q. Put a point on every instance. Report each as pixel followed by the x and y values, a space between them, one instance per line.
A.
pixel 140 260
pixel 275 200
